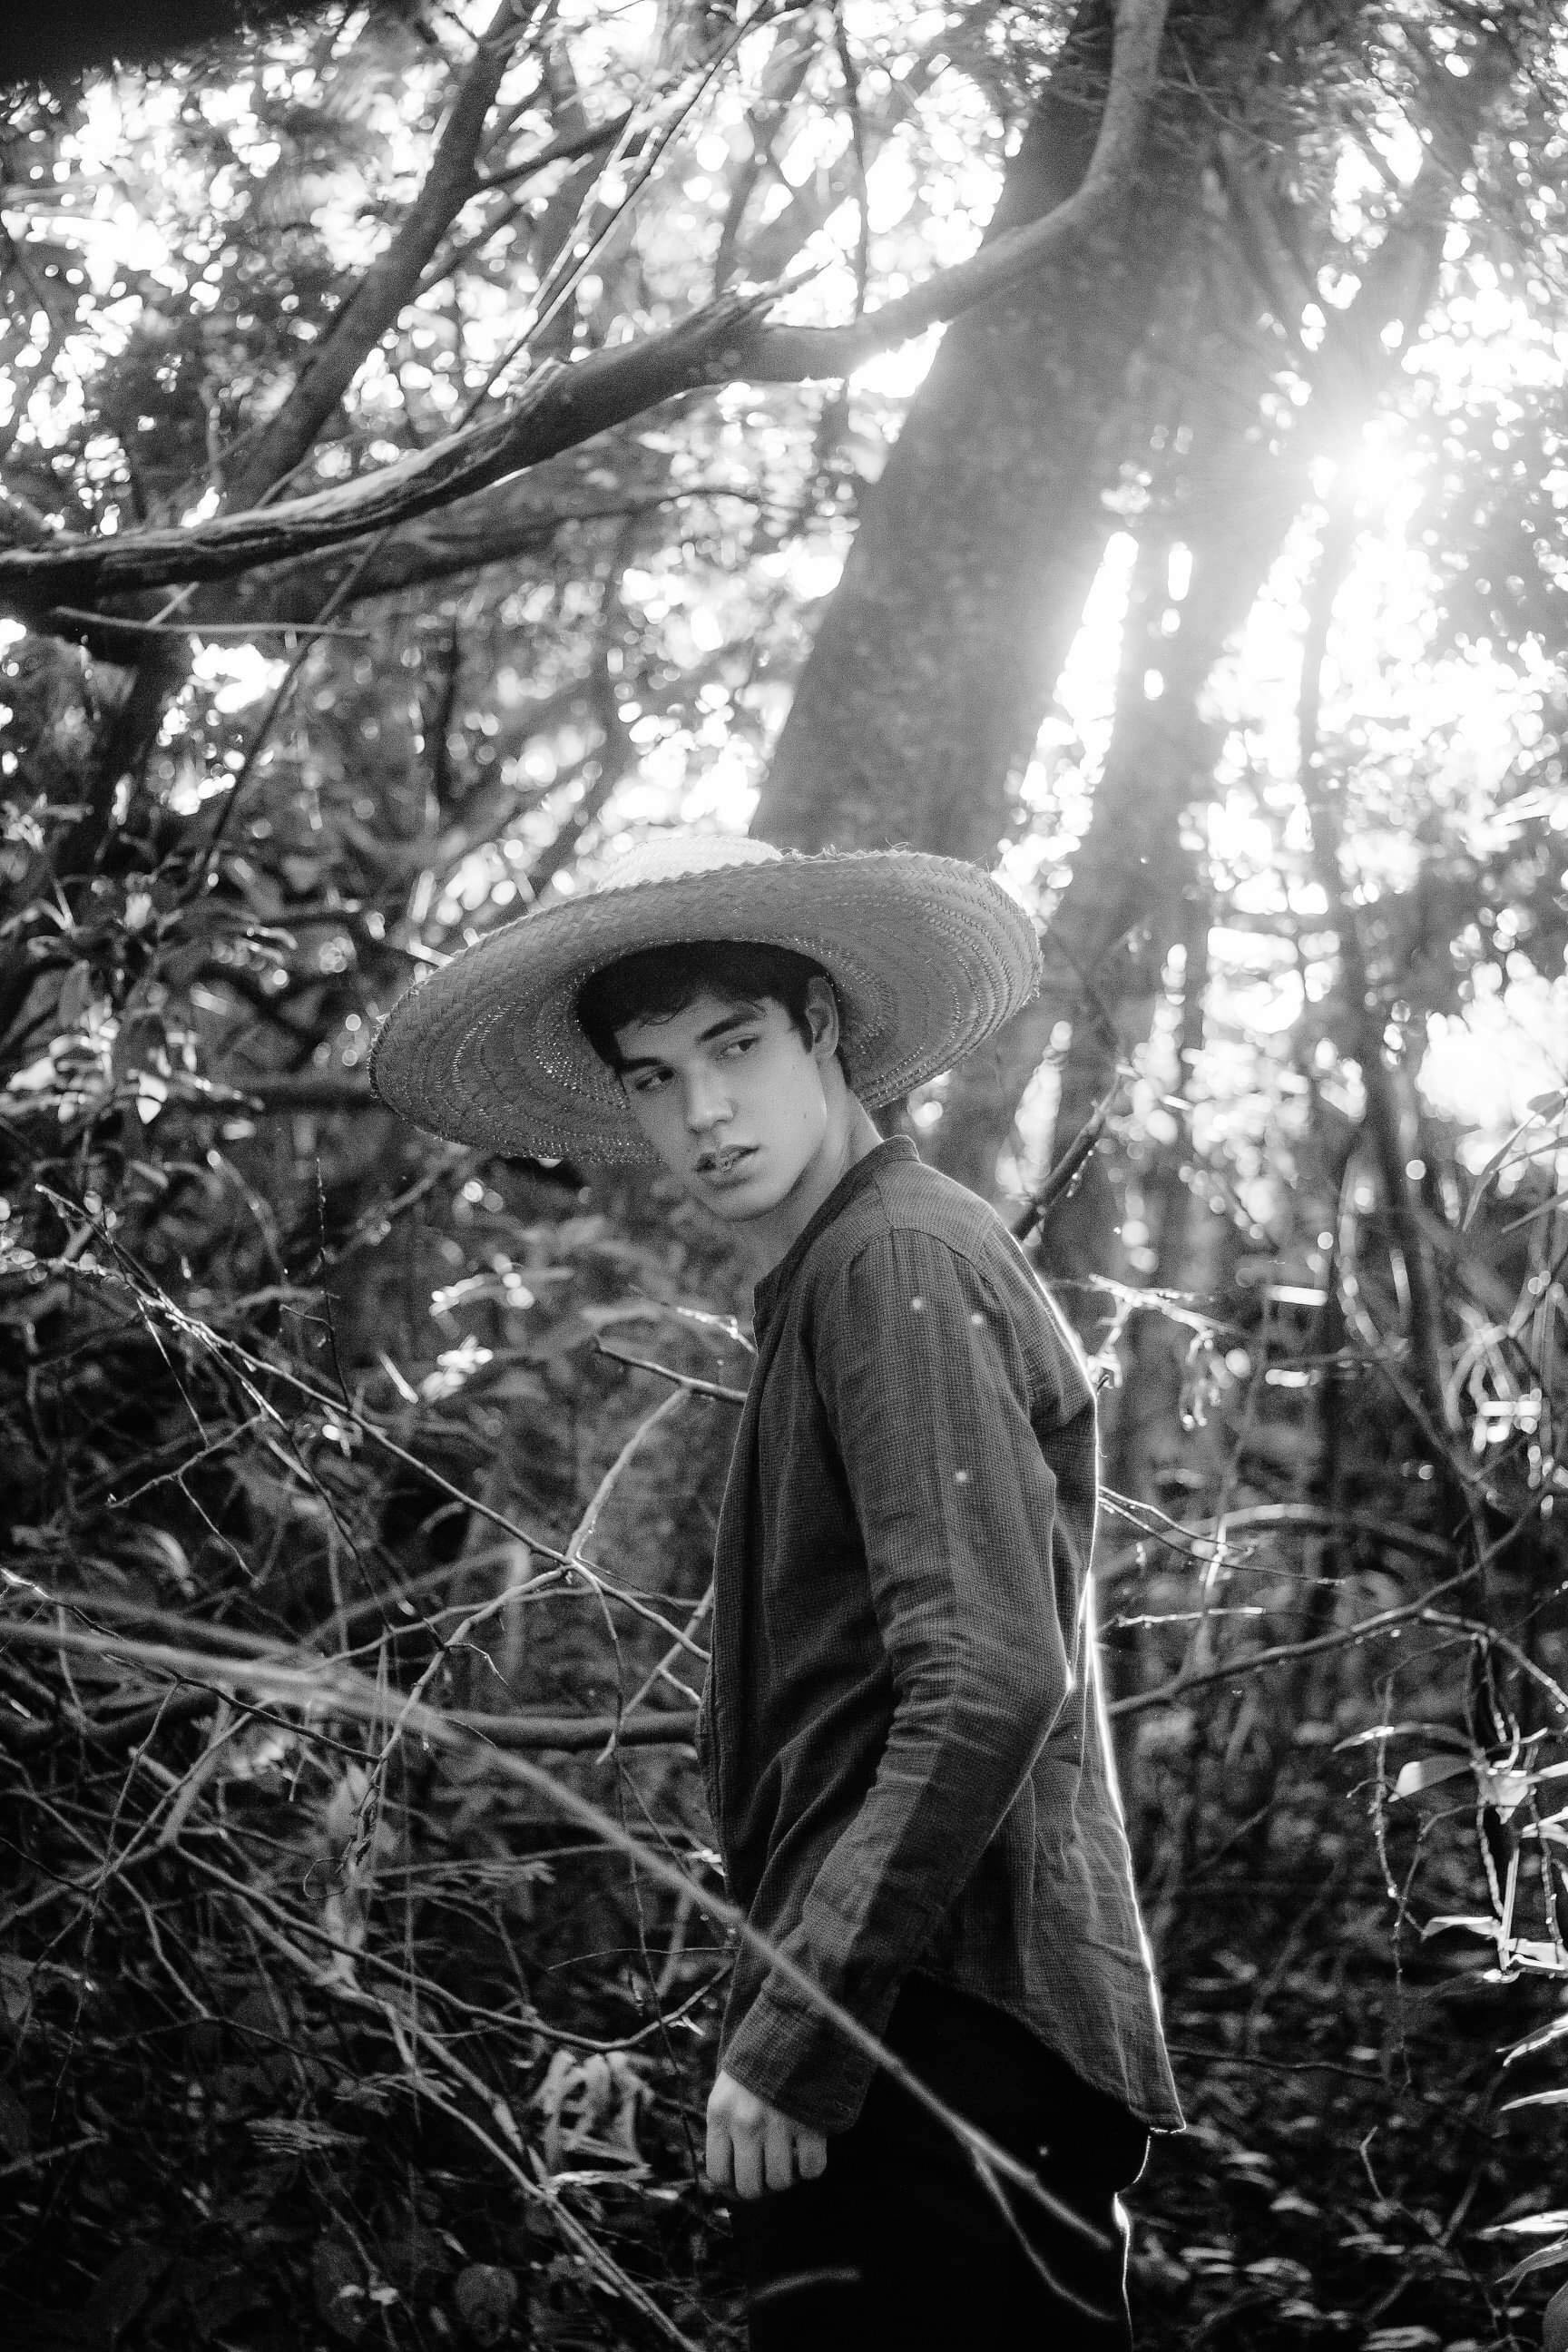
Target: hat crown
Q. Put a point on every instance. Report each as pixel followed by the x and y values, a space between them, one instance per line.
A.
pixel 667 856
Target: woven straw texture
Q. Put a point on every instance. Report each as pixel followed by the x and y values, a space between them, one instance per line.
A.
pixel 929 956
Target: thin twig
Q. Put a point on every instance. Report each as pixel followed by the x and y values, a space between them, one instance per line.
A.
pixel 211 628
pixel 560 406
pixel 343 1692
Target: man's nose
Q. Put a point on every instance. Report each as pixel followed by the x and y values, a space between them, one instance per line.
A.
pixel 706 1101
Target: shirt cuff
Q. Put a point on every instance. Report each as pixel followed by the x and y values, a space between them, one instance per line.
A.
pixel 788 2052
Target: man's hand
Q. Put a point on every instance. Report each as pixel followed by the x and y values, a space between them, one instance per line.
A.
pixel 753 2148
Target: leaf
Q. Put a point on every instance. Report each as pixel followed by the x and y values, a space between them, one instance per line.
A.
pixel 16 1991
pixel 1543 2258
pixel 486 2297
pixel 340 2289
pixel 1381 1731
pixel 15 2137
pixel 77 996
pixel 1428 1773
pixel 1535 2099
pixel 1506 1789
pixel 122 2288
pixel 1537 1952
pixel 217 2293
pixel 1534 2041
pixel 1280 2270
pixel 1531 1216
pixel 1531 2225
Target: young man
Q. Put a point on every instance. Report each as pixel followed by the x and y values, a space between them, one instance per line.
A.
pixel 903 1740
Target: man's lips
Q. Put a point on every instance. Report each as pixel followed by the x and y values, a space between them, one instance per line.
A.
pixel 723 1163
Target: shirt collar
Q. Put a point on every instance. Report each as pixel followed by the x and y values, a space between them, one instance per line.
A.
pixel 777 1281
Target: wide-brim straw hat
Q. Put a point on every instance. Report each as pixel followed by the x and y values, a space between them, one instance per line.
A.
pixel 928 955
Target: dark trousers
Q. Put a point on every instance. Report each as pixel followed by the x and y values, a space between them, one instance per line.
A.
pixel 898 2245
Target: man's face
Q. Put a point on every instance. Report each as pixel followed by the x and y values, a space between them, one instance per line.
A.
pixel 731 1099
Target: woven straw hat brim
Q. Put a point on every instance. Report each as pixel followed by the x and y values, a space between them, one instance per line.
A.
pixel 929 956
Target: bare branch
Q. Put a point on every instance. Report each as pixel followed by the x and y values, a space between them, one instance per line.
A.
pixel 789 355
pixel 497 526
pixel 289 1090
pixel 96 625
pixel 561 407
pixel 564 150
pixel 558 408
pixel 394 277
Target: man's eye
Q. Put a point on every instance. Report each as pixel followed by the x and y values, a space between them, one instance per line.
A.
pixel 738 1044
pixel 647 1080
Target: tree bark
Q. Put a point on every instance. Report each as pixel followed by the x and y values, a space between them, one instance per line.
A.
pixel 934 663
pixel 1107 943
pixel 1148 1436
pixel 1390 1123
pixel 1109 933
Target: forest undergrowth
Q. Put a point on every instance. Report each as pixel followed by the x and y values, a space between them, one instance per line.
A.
pixel 365 1944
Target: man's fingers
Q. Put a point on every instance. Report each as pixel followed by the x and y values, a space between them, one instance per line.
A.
pixel 721 2160
pixel 750 2176
pixel 778 2151
pixel 753 2150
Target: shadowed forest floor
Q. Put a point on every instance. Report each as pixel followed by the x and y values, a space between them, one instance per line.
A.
pixel 263 2184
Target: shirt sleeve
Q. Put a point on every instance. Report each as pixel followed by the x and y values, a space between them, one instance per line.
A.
pixel 926 1385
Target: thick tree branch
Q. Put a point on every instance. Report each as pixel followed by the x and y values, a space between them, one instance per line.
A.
pixel 494 527
pixel 394 277
pixel 558 408
pixel 790 354
pixel 562 406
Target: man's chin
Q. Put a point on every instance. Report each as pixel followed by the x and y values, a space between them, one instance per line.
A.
pixel 735 1203
pixel 738 1207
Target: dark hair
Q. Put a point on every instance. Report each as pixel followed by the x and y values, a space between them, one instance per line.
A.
pixel 655 983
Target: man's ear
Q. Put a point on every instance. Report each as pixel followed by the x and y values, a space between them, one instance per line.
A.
pixel 821 1014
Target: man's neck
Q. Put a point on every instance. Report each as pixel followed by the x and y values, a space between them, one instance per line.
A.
pixel 849 1138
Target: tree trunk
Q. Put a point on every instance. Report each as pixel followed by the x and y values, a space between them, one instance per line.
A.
pixel 1107 944
pixel 924 692
pixel 925 689
pixel 1148 1440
